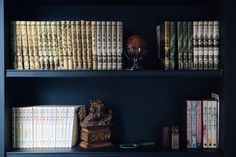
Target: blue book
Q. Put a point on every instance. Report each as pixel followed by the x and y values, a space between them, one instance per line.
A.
pixel 194 129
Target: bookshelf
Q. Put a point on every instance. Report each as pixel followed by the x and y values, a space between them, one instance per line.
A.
pixel 142 101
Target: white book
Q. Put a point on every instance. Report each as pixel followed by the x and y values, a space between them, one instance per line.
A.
pixel 104 45
pixel 109 45
pixel 209 125
pixel 217 98
pixel 119 45
pixel 99 45
pixel 214 124
pixel 195 45
pixel 201 44
pixel 210 44
pixel 64 123
pixel 114 44
pixel 53 123
pixel 205 45
pixel 216 44
pixel 205 123
pixel 189 124
pixel 18 132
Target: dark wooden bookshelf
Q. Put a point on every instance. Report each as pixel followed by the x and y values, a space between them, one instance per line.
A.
pixel 143 101
pixel 114 73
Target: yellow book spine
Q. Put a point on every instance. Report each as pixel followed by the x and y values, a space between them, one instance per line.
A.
pixel 45 45
pixel 89 44
pixel 25 45
pixel 60 45
pixel 94 44
pixel 69 45
pixel 64 44
pixel 50 45
pixel 35 44
pixel 79 45
pixel 40 44
pixel 54 45
pixel 30 45
pixel 84 44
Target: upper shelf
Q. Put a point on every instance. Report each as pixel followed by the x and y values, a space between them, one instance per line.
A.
pixel 112 73
pixel 115 2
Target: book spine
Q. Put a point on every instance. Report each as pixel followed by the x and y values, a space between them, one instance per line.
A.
pixel 195 45
pixel 99 45
pixel 24 131
pixel 205 46
pixel 25 45
pixel 205 123
pixel 74 44
pixel 35 46
pixel 199 123
pixel 13 127
pixel 209 125
pixel 50 45
pixel 64 45
pixel 180 44
pixel 40 44
pixel 84 44
pixel 45 45
pixel 60 45
pixel 19 54
pixel 69 45
pixel 18 132
pixel 31 125
pixel 189 124
pixel 13 44
pixel 210 44
pixel 89 44
pixel 172 44
pixel 194 129
pixel 109 45
pixel 216 44
pixel 64 132
pixel 94 45
pixel 185 45
pixel 104 45
pixel 55 45
pixel 214 124
pixel 200 44
pixel 79 45
pixel 119 45
pixel 190 45
pixel 30 45
pixel 114 44
pixel 35 127
pixel 167 45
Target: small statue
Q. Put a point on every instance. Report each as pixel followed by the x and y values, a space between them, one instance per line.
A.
pixel 95 125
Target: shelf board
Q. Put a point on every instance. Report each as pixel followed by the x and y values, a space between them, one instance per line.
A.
pixel 111 73
pixel 112 151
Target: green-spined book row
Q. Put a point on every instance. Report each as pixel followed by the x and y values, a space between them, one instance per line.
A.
pixel 67 45
pixel 189 45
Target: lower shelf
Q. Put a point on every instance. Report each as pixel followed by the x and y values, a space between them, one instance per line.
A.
pixel 111 152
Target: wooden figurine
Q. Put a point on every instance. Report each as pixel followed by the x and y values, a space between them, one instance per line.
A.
pixel 95 125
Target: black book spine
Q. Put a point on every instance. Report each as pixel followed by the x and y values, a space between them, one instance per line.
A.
pixel 172 45
pixel 185 44
pixel 190 45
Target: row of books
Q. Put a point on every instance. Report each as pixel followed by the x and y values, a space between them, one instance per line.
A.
pixel 202 124
pixel 44 126
pixel 188 45
pixel 67 45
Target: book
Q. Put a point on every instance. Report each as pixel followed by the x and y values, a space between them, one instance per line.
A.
pixel 214 117
pixel 210 45
pixel 194 127
pixel 50 45
pixel 217 99
pixel 104 45
pixel 172 44
pixel 74 45
pixel 195 44
pixel 35 45
pixel 60 45
pixel 84 44
pixel 205 46
pixel 180 44
pixel 189 124
pixel 79 44
pixel 199 123
pixel 19 54
pixel 94 44
pixel 69 45
pixel 205 123
pixel 89 44
pixel 209 125
pixel 55 46
pixel 25 45
pixel 216 45
pixel 45 45
pixel 114 44
pixel 30 45
pixel 185 45
pixel 200 44
pixel 119 45
pixel 99 45
pixel 64 45
pixel 109 45
pixel 190 45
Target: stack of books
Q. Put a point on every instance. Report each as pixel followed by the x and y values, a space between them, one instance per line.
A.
pixel 188 45
pixel 67 45
pixel 44 126
pixel 202 123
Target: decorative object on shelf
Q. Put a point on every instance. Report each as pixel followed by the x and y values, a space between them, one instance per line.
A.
pixel 136 50
pixel 95 125
pixel 135 145
pixel 165 137
pixel 175 137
